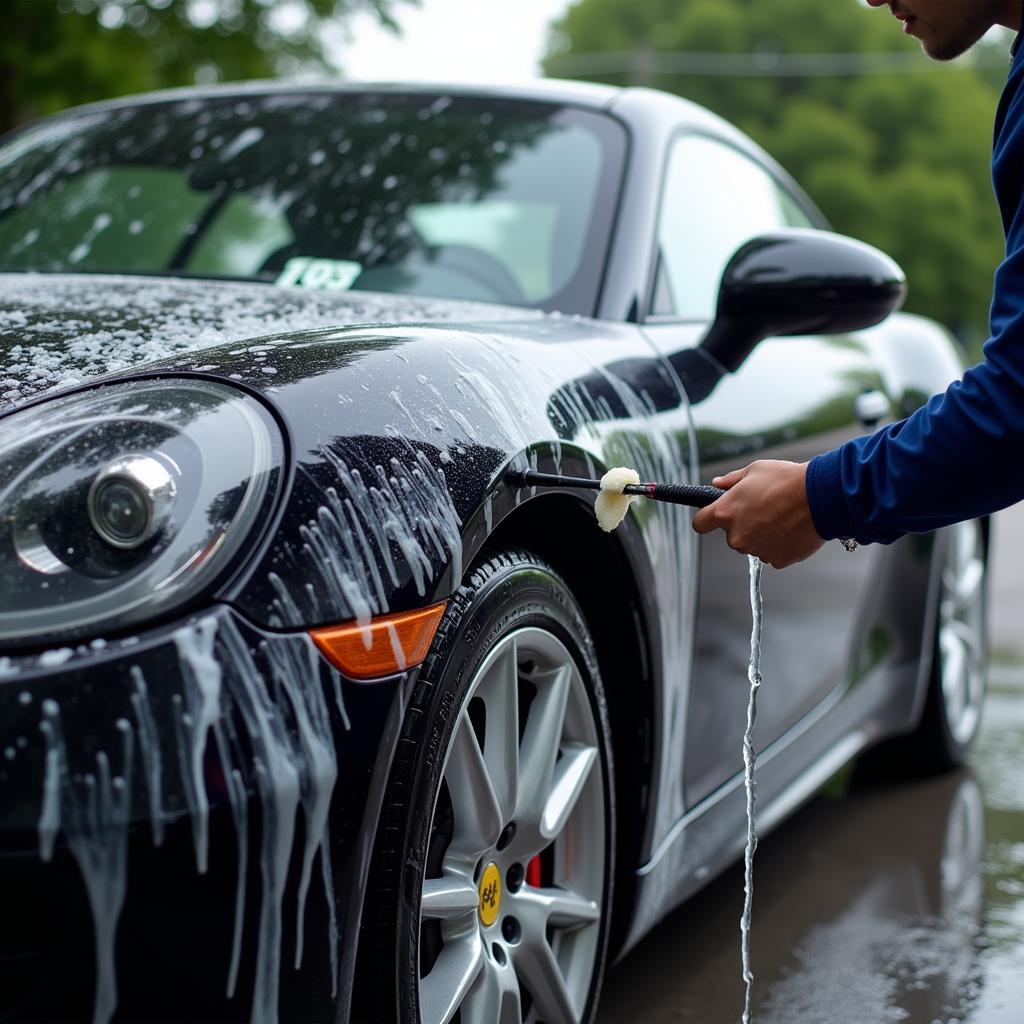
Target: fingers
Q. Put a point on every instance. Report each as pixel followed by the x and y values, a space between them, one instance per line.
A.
pixel 764 513
pixel 704 521
pixel 731 479
pixel 707 519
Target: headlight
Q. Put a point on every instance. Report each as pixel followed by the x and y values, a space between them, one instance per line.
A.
pixel 131 500
pixel 120 503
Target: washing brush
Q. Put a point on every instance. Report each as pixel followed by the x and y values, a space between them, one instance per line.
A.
pixel 694 495
pixel 612 506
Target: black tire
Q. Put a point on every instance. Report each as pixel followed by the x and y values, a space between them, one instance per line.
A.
pixel 945 735
pixel 508 597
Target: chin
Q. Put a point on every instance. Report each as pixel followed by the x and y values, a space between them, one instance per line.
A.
pixel 949 48
pixel 944 51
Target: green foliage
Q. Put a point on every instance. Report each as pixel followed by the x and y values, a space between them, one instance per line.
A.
pixel 58 53
pixel 900 160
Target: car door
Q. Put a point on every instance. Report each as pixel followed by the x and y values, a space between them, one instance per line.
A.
pixel 791 399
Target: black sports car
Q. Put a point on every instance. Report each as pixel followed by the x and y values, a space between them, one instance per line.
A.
pixel 306 710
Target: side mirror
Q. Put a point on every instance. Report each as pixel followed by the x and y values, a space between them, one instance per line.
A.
pixel 799 281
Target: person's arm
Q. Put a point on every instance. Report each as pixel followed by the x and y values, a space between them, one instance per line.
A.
pixel 962 454
pixel 765 513
pixel 958 457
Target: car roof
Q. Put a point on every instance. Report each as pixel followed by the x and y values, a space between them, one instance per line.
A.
pixel 632 104
pixel 561 91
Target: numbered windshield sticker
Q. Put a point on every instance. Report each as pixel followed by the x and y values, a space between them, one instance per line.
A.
pixel 322 275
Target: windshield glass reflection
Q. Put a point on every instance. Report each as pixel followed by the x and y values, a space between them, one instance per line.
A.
pixel 454 197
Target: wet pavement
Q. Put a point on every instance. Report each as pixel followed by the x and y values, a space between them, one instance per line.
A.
pixel 874 903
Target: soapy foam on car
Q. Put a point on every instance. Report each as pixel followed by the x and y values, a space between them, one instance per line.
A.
pixel 612 505
pixel 282 703
pixel 149 748
pixel 195 650
pixel 92 811
pixel 121 322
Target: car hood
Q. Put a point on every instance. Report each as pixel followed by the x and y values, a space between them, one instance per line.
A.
pixel 58 330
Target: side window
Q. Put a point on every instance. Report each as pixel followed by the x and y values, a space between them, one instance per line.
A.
pixel 715 199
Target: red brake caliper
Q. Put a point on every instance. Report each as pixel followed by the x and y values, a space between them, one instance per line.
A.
pixel 533 872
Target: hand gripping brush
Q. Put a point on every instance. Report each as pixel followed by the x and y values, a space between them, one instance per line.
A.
pixel 694 495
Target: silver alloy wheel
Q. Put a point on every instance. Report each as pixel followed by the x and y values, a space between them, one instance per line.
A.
pixel 535 786
pixel 961 640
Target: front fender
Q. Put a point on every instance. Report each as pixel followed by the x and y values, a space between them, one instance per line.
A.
pixel 401 437
pixel 401 440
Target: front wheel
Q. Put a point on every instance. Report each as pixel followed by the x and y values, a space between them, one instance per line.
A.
pixel 494 860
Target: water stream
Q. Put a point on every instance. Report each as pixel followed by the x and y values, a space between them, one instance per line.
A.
pixel 754 675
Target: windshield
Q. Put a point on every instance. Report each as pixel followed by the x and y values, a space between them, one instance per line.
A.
pixel 469 198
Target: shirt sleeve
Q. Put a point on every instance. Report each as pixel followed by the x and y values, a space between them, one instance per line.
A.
pixel 961 455
pixel 958 457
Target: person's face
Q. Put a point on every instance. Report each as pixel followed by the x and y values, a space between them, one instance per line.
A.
pixel 947 28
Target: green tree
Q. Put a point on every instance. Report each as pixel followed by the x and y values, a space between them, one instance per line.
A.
pixel 898 159
pixel 58 53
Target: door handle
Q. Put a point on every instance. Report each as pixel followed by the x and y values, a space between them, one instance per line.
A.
pixel 871 407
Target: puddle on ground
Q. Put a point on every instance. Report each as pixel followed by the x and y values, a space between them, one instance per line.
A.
pixel 897 903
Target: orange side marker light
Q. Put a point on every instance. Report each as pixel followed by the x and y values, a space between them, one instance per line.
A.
pixel 386 645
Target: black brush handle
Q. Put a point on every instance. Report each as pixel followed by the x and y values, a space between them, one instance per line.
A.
pixel 696 496
pixel 531 478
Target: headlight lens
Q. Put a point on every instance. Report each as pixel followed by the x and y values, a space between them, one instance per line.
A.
pixel 131 500
pixel 122 502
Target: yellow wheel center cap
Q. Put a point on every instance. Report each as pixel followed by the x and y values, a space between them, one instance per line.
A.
pixel 490 895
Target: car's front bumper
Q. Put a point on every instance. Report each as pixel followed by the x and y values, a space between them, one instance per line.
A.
pixel 165 800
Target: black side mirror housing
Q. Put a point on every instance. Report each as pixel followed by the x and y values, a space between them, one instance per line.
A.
pixel 799 281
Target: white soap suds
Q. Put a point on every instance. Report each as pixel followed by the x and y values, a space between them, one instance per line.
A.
pixel 378 529
pixel 95 825
pixel 396 647
pixel 269 715
pixel 195 651
pixel 149 748
pixel 612 505
pixel 58 330
pixel 49 818
pixel 293 669
pixel 51 659
pixel 240 816
pixel 619 420
pixel 277 781
pixel 293 764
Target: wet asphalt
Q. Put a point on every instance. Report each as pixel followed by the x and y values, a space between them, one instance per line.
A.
pixel 874 903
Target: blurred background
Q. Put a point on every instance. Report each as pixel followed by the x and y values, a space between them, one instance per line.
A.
pixel 892 147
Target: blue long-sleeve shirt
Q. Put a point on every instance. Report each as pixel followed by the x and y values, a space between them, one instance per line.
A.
pixel 961 455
